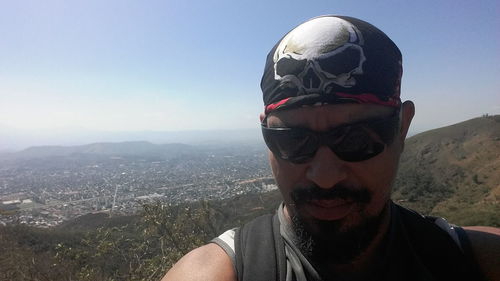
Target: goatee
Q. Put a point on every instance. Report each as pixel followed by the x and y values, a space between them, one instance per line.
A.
pixel 330 241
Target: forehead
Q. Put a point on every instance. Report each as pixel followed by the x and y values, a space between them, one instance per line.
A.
pixel 326 116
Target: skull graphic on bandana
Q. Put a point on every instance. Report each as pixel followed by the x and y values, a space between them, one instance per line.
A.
pixel 319 55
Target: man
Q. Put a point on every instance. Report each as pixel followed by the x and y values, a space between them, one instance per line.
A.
pixel 335 127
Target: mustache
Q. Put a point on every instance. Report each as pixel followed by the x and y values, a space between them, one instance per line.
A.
pixel 339 191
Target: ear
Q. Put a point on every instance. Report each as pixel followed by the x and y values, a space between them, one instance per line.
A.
pixel 262 116
pixel 408 111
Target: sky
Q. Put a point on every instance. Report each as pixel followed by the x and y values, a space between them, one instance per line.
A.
pixel 176 65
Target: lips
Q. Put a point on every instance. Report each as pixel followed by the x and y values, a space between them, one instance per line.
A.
pixel 329 209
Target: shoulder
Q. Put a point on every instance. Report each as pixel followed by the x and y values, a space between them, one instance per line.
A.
pixel 209 262
pixel 485 244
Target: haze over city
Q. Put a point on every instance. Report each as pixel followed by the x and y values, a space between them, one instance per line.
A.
pixel 87 71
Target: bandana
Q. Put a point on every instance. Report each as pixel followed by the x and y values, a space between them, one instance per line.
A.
pixel 332 59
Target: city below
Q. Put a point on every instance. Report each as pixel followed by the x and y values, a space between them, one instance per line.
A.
pixel 45 186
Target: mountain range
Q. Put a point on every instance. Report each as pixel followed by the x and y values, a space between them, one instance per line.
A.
pixel 12 140
pixel 135 148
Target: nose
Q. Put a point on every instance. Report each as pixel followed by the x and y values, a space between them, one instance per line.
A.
pixel 326 169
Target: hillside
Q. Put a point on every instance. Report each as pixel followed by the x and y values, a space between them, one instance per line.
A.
pixel 454 172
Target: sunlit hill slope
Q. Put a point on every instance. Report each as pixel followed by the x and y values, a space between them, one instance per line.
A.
pixel 454 172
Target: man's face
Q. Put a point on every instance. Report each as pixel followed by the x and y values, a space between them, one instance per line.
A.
pixel 327 197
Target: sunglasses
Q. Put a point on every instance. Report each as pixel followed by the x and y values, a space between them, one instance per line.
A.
pixel 352 142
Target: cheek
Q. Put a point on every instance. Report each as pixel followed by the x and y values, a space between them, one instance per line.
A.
pixel 287 175
pixel 378 175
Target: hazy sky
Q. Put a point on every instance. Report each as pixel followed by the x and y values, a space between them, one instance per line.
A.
pixel 181 65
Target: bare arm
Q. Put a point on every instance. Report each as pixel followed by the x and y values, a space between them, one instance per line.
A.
pixel 207 263
pixel 485 242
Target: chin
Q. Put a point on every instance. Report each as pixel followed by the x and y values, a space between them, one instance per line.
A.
pixel 337 241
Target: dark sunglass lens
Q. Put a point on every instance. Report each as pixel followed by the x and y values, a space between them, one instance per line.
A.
pixel 292 144
pixel 357 145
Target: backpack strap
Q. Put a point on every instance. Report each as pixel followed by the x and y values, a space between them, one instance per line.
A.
pixel 436 249
pixel 460 237
pixel 260 250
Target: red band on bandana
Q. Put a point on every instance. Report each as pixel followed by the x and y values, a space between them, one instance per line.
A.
pixel 273 106
pixel 366 98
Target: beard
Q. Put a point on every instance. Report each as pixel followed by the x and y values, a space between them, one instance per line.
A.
pixel 333 241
